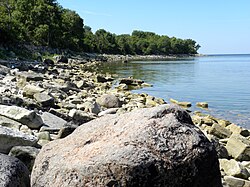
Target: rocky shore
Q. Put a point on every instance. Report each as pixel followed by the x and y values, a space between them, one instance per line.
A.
pixel 72 117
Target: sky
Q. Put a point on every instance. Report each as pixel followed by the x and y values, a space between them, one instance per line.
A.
pixel 219 26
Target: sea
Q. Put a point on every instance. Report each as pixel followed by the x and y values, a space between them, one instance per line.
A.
pixel 223 81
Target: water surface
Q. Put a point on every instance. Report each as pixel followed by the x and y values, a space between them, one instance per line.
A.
pixel 221 80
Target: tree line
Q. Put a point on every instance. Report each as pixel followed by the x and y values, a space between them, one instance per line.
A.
pixel 46 23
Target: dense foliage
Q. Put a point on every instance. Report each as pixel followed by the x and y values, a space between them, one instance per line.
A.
pixel 46 23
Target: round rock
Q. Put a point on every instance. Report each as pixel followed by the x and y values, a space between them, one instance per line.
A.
pixel 147 147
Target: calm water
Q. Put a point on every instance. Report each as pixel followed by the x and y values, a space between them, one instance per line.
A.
pixel 222 80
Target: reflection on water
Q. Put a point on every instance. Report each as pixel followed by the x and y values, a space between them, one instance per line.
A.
pixel 221 80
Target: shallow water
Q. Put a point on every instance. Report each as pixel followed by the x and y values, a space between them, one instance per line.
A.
pixel 221 80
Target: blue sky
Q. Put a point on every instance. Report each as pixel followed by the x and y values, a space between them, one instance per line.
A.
pixel 219 26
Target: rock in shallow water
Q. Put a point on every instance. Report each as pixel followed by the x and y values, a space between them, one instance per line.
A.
pixel 147 147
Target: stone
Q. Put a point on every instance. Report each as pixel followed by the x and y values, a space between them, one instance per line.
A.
pixel 109 101
pixel 160 101
pixel 234 168
pixel 26 154
pixel 52 123
pixel 49 62
pixel 63 59
pixel 61 113
pixel 219 131
pixel 173 101
pixel 122 87
pixel 10 138
pixel 4 70
pixel 108 111
pixel 25 129
pixel 181 103
pixel 31 90
pixel 102 79
pixel 7 122
pixel 236 182
pixel 147 147
pixel 238 147
pixel 45 135
pixel 79 117
pixel 91 107
pixel 185 104
pixel 42 142
pixel 238 130
pixel 13 173
pixel 44 99
pixel 81 84
pixel 208 121
pixel 66 130
pixel 131 81
pixel 146 85
pixel 150 102
pixel 224 123
pixel 202 104
pixel 22 115
pixel 30 76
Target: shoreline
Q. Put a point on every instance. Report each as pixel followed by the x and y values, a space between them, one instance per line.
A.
pixel 64 90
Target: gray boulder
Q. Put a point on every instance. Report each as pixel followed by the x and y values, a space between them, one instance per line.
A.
pixel 30 90
pixel 79 117
pixel 26 154
pixel 44 99
pixel 10 138
pixel 147 147
pixel 109 101
pixel 22 115
pixel 4 70
pixel 7 122
pixel 238 147
pixel 52 123
pixel 13 173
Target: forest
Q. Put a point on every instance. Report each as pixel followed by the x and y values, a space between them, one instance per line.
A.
pixel 46 23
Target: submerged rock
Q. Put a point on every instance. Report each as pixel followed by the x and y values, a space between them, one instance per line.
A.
pixel 147 147
pixel 202 104
pixel 181 103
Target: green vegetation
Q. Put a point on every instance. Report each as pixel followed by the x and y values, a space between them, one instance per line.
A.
pixel 46 23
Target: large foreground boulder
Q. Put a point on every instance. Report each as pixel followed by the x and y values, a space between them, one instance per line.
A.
pixel 13 172
pixel 147 147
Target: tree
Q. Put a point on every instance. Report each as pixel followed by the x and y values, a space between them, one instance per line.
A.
pixel 8 28
pixel 123 42
pixel 106 42
pixel 89 41
pixel 44 22
pixel 72 27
